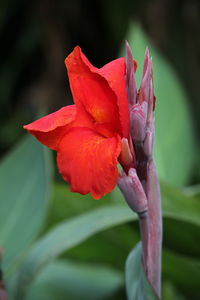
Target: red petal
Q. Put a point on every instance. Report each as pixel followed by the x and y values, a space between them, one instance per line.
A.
pixel 114 73
pixel 51 128
pixel 88 161
pixel 101 92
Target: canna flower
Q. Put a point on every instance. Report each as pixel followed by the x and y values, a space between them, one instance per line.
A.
pixel 92 136
pixel 111 122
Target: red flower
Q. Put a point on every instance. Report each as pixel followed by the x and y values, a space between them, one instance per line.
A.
pixel 88 136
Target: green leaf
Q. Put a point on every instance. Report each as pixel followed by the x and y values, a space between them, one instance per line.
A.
pixel 170 292
pixel 66 235
pixel 183 271
pixel 180 206
pixel 24 192
pixel 182 220
pixel 66 204
pixel 59 280
pixel 137 286
pixel 174 140
pixel 181 237
pixel 100 247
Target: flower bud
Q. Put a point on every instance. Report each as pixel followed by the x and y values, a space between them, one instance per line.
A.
pixel 149 140
pixel 132 89
pixel 133 191
pixel 126 158
pixel 138 117
pixel 131 67
pixel 145 82
pixel 151 100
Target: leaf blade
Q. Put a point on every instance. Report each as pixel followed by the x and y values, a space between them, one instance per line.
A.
pixel 137 286
pixel 23 206
pixel 60 279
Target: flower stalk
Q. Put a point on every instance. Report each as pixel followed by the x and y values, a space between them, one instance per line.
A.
pixel 140 186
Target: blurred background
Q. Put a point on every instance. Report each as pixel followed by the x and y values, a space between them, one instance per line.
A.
pixel 36 36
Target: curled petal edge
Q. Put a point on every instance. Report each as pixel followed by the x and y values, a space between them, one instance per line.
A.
pixel 50 129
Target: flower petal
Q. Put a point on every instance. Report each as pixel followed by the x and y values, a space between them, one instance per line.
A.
pixel 51 128
pixel 88 161
pixel 114 73
pixel 92 91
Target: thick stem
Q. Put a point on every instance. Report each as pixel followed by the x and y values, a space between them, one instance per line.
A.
pixel 143 219
pixel 151 230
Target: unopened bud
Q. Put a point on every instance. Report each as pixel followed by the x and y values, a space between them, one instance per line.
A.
pixel 151 100
pixel 131 67
pixel 146 61
pixel 149 140
pixel 133 191
pixel 145 83
pixel 126 158
pixel 138 117
pixel 132 89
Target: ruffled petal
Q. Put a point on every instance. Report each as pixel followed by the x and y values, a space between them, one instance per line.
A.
pixel 92 91
pixel 114 73
pixel 50 129
pixel 88 161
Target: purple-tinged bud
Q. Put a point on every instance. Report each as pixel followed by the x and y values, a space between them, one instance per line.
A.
pixel 144 90
pixel 138 117
pixel 130 76
pixel 149 139
pixel 146 61
pixel 132 89
pixel 126 158
pixel 133 191
pixel 129 60
pixel 151 100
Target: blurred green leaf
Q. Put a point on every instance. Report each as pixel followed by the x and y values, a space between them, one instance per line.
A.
pixel 180 206
pixel 182 232
pixel 170 292
pixel 102 246
pixel 66 235
pixel 174 142
pixel 63 280
pixel 181 237
pixel 66 204
pixel 109 247
pixel 193 190
pixel 183 271
pixel 25 176
pixel 137 286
